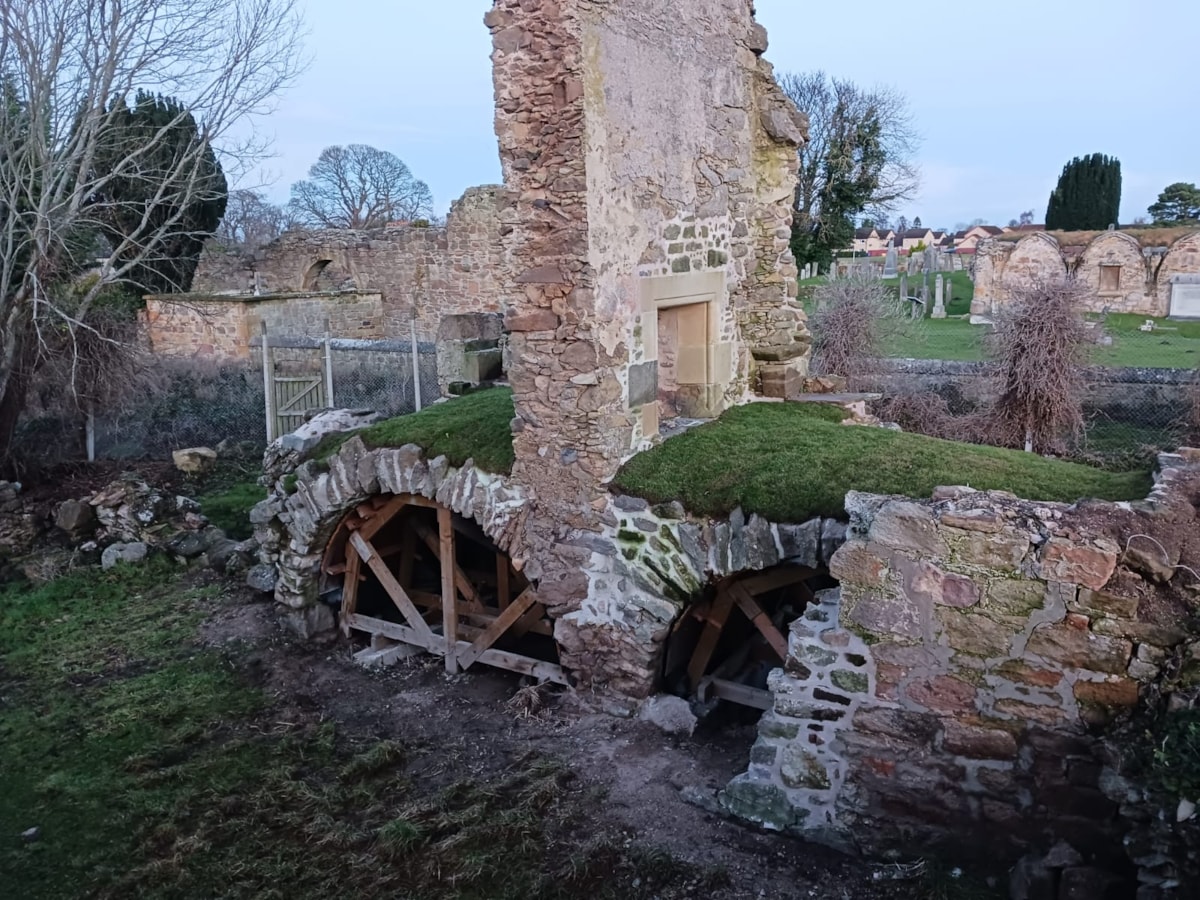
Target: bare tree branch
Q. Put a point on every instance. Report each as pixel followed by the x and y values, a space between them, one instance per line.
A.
pixel 359 187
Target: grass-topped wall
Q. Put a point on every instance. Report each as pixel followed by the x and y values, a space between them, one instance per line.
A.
pixel 792 462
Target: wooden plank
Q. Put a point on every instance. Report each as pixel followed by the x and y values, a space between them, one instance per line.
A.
pixel 532 621
pixel 500 659
pixel 388 580
pixel 385 552
pixel 760 619
pixel 496 629
pixel 776 578
pixel 433 542
pixel 503 594
pixel 714 624
pixel 449 593
pixel 350 590
pixel 383 516
pixel 736 693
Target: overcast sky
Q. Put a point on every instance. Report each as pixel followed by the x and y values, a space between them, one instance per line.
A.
pixel 1002 94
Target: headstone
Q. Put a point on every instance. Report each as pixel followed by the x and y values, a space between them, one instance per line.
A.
pixel 904 286
pixel 949 292
pixel 930 260
pixel 889 265
pixel 939 300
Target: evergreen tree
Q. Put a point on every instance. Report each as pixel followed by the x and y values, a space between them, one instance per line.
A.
pixel 1088 195
pixel 169 159
pixel 1179 203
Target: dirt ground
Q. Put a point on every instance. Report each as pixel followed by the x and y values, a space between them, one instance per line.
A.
pixel 471 723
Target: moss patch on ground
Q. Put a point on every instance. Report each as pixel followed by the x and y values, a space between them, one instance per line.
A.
pixel 790 462
pixel 477 426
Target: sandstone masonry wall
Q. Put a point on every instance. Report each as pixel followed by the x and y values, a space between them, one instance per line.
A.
pixel 944 695
pixel 433 272
pixel 1143 285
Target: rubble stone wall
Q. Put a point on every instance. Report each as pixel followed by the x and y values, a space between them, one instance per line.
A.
pixel 220 328
pixel 637 140
pixel 427 272
pixel 1145 274
pixel 947 692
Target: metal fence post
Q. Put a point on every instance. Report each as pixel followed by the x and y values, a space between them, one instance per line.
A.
pixel 416 364
pixel 328 369
pixel 268 385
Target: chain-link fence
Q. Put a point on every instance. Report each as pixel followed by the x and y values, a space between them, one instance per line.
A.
pixel 188 404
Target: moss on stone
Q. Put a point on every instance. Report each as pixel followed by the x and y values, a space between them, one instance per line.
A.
pixel 631 537
pixel 477 427
pixel 791 462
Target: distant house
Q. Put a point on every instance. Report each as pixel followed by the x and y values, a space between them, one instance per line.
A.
pixel 907 240
pixel 967 241
pixel 873 241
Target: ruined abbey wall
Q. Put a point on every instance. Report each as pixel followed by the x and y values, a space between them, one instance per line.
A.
pixel 1120 274
pixel 648 158
pixel 428 273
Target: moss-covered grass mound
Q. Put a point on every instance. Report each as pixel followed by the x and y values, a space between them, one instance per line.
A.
pixel 790 462
pixel 477 426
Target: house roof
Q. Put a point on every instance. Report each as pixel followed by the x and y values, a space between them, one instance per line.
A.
pixel 863 233
pixel 914 233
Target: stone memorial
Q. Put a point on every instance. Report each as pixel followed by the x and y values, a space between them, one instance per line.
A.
pixel 939 299
pixel 889 265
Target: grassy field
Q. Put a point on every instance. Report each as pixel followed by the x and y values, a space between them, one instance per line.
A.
pixel 157 767
pixel 790 462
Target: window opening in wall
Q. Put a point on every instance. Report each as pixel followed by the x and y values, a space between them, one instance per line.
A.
pixel 406 571
pixel 722 649
pixel 313 275
pixel 1110 279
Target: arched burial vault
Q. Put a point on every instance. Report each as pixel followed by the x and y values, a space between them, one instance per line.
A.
pixel 411 571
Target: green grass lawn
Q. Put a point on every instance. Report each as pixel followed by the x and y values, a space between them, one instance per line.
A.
pixel 790 462
pixel 477 426
pixel 227 495
pixel 156 767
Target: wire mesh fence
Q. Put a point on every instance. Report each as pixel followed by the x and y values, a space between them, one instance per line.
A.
pixel 188 404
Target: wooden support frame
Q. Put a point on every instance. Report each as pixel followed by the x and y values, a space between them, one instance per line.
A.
pixel 459 607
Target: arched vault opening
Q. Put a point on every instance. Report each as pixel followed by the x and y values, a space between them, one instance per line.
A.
pixel 414 574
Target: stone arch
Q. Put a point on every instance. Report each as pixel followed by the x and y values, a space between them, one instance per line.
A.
pixel 312 275
pixel 1037 257
pixel 1183 258
pixel 1113 268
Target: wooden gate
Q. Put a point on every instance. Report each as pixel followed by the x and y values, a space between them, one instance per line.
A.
pixel 472 611
pixel 296 396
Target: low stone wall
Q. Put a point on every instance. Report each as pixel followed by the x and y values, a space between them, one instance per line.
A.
pixel 954 691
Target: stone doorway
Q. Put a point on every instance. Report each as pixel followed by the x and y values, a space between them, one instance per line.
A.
pixel 414 576
pixel 681 324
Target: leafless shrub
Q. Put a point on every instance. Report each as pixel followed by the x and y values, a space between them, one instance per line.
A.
pixel 1039 351
pixel 854 316
pixel 930 414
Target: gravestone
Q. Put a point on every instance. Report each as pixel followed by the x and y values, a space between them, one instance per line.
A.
pixel 1185 297
pixel 930 260
pixel 904 286
pixel 889 265
pixel 939 300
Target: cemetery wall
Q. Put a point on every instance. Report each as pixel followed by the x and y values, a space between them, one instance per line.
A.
pixel 1121 275
pixel 957 689
pixel 420 274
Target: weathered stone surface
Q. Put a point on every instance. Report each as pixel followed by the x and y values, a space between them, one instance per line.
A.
pixel 1013 597
pixel 762 803
pixel 195 460
pixel 261 578
pixel 801 544
pixel 75 517
pixel 859 563
pixel 800 768
pixel 1080 649
pixel 1003 552
pixel 913 727
pixel 643 383
pixel 886 613
pixel 1119 693
pixel 985 520
pixel 673 715
pixel 976 635
pixel 907 527
pixel 1095 603
pixel 943 694
pixel 977 741
pixel 1090 565
pixel 131 553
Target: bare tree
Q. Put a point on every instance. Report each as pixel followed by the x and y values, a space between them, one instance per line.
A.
pixel 359 187
pixel 66 70
pixel 1039 350
pixel 251 221
pixel 854 317
pixel 860 154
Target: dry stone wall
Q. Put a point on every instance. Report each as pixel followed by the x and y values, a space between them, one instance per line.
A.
pixel 950 692
pixel 1121 275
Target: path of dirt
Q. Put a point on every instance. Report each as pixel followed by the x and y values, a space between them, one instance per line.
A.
pixel 467 719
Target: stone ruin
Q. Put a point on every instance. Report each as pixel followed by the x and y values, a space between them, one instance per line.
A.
pixel 1122 276
pixel 937 686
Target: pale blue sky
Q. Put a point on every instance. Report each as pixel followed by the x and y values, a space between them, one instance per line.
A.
pixel 1002 93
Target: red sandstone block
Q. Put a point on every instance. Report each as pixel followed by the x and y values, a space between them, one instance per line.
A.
pixel 944 694
pixel 976 741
